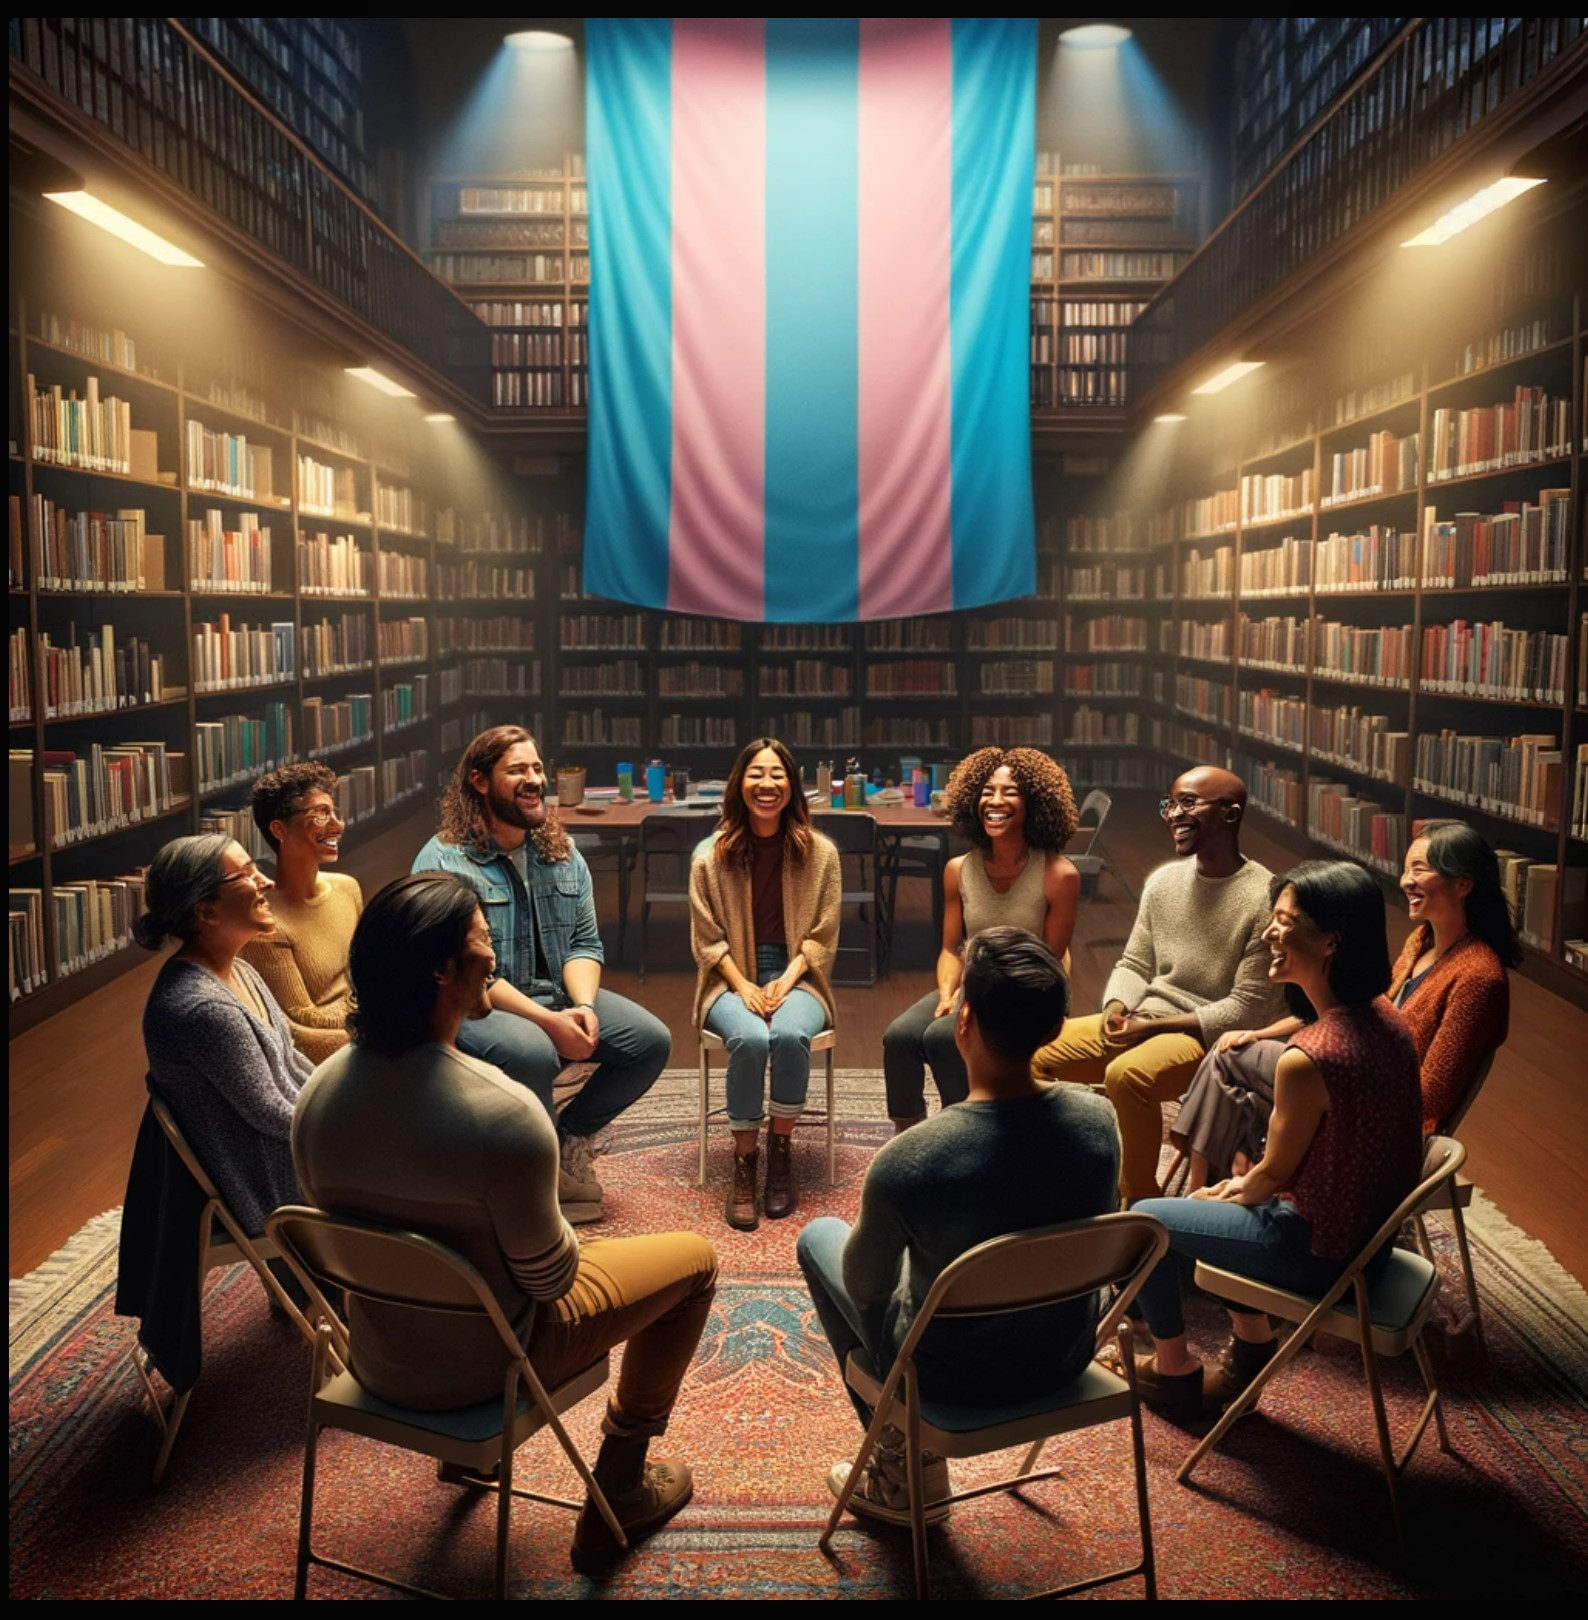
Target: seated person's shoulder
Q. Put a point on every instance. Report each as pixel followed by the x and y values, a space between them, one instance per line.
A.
pixel 345 885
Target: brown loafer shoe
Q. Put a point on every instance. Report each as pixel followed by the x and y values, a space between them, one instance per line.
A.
pixel 782 1198
pixel 1177 1396
pixel 741 1212
pixel 664 1488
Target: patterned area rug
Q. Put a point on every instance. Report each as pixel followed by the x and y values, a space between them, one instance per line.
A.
pixel 1291 1506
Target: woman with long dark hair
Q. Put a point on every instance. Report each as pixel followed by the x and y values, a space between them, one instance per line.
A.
pixel 1344 1143
pixel 1449 984
pixel 1016 808
pixel 764 897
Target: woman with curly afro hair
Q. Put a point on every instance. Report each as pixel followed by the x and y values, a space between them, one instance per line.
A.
pixel 1015 806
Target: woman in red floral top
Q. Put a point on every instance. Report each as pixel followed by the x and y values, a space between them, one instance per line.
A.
pixel 1344 1142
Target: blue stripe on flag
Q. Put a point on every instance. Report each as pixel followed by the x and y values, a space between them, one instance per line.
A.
pixel 989 322
pixel 812 304
pixel 628 124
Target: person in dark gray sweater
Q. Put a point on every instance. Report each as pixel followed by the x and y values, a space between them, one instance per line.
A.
pixel 1015 1155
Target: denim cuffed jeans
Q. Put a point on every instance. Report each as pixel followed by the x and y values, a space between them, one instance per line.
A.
pixel 753 1043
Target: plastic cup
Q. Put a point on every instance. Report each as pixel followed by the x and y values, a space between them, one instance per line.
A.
pixel 656 782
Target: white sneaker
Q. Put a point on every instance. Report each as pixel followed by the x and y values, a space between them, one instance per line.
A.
pixel 578 1191
pixel 884 1493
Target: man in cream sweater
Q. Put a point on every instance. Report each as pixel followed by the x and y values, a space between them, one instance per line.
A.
pixel 1195 966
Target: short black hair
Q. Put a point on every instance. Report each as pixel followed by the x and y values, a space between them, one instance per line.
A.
pixel 1344 898
pixel 1017 989
pixel 277 793
pixel 412 930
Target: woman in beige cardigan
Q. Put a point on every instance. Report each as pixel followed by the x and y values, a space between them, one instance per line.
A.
pixel 764 901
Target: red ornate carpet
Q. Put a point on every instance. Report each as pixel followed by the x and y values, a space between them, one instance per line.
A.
pixel 1293 1505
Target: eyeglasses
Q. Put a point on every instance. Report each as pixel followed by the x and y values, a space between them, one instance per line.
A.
pixel 1187 802
pixel 319 815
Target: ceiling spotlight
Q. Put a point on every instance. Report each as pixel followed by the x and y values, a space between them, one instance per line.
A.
pixel 1476 207
pixel 128 230
pixel 1170 416
pixel 539 39
pixel 1220 380
pixel 1094 36
pixel 440 416
pixel 379 379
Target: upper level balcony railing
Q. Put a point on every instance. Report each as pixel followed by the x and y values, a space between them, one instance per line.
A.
pixel 147 84
pixel 1430 88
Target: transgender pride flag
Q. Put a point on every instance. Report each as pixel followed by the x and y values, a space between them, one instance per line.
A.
pixel 809 314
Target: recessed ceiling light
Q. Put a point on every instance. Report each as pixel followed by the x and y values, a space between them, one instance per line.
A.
pixel 1476 207
pixel 1220 380
pixel 1094 36
pixel 1170 416
pixel 128 230
pixel 440 416
pixel 379 379
pixel 539 39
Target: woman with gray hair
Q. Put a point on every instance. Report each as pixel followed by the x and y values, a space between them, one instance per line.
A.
pixel 220 1049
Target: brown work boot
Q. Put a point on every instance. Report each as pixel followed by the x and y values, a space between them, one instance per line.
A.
pixel 1178 1396
pixel 1239 1368
pixel 665 1485
pixel 781 1196
pixel 741 1211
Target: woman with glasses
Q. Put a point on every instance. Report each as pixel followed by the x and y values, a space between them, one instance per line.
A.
pixel 220 1050
pixel 305 960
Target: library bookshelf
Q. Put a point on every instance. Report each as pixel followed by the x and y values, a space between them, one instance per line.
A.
pixel 1372 608
pixel 517 248
pixel 219 562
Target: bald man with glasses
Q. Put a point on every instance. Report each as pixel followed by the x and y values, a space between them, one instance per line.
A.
pixel 1195 966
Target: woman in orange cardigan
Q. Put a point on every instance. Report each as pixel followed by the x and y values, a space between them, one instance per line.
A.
pixel 1449 984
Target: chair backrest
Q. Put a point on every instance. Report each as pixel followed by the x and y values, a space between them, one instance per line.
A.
pixel 854 832
pixel 179 1144
pixel 1097 803
pixel 675 832
pixel 1443 1156
pixel 1470 1095
pixel 1027 1271
pixel 385 1265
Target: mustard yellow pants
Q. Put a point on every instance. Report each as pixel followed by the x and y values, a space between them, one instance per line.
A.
pixel 1138 1080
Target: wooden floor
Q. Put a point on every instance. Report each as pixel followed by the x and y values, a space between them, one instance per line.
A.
pixel 77 1080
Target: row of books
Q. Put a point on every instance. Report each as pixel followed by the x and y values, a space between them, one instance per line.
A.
pixel 802 729
pixel 1380 657
pixel 912 677
pixel 397 507
pixel 90 433
pixel 1205 576
pixel 404 776
pixel 1093 385
pixel 986 731
pixel 1273 643
pixel 1518 776
pixel 92 672
pixel 1110 632
pixel 96 791
pixel 1109 728
pixel 534 348
pixel 1095 312
pixel 1273 716
pixel 517 534
pixel 329 433
pixel 1186 742
pixel 1015 677
pixel 1203 514
pixel 699 680
pixel 227 656
pixel 403 641
pixel 1360 826
pixel 326 489
pixel 1494 660
pixel 592 728
pixel 473 234
pixel 908 635
pixel 1110 531
pixel 1104 266
pixel 1365 742
pixel 1525 544
pixel 1271 787
pixel 92 551
pixel 1011 633
pixel 478 581
pixel 239 747
pixel 1386 465
pixel 228 464
pixel 521 312
pixel 1509 343
pixel 617 677
pixel 1103 680
pixel 775 637
pixel 548 199
pixel 333 724
pixel 1115 584
pixel 1530 427
pixel 501 267
pixel 501 677
pixel 539 388
pixel 229 559
pixel 1203 699
pixel 1579 793
pixel 107 344
pixel 406 703
pixel 805 677
pixel 620 632
pixel 1534 890
pixel 1209 641
pixel 333 567
pixel 93 919
pixel 400 575
pixel 1269 497
pixel 498 633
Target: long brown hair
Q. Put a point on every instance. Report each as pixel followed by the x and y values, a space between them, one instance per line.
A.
pixel 463 805
pixel 733 841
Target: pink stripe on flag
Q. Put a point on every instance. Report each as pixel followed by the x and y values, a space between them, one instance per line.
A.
pixel 906 373
pixel 717 522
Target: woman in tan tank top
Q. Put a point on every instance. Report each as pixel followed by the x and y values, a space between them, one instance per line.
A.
pixel 1016 807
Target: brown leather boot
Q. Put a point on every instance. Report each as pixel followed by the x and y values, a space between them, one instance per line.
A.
pixel 741 1211
pixel 781 1196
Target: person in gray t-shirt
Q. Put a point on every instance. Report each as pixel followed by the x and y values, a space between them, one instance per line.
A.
pixel 1015 1155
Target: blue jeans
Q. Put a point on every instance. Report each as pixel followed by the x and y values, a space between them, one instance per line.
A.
pixel 1270 1243
pixel 820 1252
pixel 752 1042
pixel 633 1050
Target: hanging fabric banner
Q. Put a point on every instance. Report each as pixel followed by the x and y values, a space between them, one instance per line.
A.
pixel 810 281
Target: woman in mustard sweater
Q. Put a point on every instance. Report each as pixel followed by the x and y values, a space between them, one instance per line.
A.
pixel 764 903
pixel 305 960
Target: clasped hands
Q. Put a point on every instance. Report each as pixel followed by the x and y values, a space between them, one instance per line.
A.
pixel 1122 1029
pixel 765 999
pixel 575 1032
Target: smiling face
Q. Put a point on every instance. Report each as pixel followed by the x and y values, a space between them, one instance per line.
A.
pixel 1431 897
pixel 241 909
pixel 1298 950
pixel 1197 814
pixel 476 967
pixel 515 791
pixel 1002 807
pixel 312 828
pixel 767 791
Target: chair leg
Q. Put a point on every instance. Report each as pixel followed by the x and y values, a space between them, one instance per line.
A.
pixel 1149 1565
pixel 832 1140
pixel 914 1474
pixel 1386 1450
pixel 1475 1321
pixel 623 900
pixel 645 919
pixel 1248 1398
pixel 1426 1367
pixel 504 1484
pixel 868 1444
pixel 171 1423
pixel 306 1512
pixel 705 1106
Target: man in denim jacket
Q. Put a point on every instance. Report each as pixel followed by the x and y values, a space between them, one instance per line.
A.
pixel 548 1007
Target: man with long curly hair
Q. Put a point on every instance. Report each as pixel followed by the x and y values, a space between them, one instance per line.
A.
pixel 547 1005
